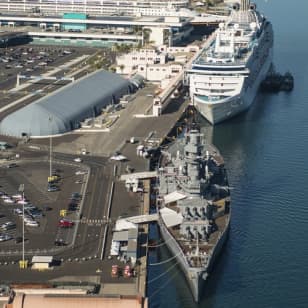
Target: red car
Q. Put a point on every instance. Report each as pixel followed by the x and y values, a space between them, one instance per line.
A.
pixel 127 271
pixel 64 223
pixel 114 271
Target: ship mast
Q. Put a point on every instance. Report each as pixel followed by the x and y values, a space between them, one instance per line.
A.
pixel 197 246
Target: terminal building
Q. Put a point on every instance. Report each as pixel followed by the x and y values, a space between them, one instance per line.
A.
pixel 65 109
pixel 93 7
pixel 74 27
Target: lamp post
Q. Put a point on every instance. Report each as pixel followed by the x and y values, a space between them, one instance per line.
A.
pixel 50 147
pixel 22 190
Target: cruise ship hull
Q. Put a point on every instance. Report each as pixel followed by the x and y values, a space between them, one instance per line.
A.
pixel 216 112
pixel 195 277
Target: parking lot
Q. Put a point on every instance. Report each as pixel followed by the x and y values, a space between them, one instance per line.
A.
pixel 51 216
pixel 31 60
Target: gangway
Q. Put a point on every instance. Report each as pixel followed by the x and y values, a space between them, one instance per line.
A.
pixel 139 175
pixel 141 219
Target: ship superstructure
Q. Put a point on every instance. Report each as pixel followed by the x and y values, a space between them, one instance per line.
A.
pixel 194 204
pixel 225 77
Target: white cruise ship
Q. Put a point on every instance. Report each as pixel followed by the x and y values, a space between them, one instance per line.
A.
pixel 225 77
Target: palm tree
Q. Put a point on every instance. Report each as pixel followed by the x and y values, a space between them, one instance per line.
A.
pixel 146 35
pixel 122 66
pixel 115 47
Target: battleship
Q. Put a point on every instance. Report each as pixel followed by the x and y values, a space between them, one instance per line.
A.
pixel 194 206
pixel 225 77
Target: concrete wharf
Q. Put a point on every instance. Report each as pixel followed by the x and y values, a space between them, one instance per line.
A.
pixel 99 144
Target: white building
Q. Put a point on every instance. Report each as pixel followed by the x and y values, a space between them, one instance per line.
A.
pixel 95 7
pixel 160 72
pixel 152 64
pixel 128 63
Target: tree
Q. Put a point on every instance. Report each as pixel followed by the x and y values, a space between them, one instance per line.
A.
pixel 146 35
pixel 122 66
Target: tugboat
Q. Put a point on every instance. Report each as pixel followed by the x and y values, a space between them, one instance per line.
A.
pixel 275 82
pixel 194 206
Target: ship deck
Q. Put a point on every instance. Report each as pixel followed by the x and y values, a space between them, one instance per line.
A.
pixel 220 225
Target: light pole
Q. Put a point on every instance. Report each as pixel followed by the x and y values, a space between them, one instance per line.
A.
pixel 50 147
pixel 22 190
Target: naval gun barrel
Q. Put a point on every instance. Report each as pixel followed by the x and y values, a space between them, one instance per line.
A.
pixel 245 5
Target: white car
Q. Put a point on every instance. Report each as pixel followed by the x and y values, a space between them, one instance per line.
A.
pixel 24 202
pixel 5 237
pixel 17 196
pixel 28 219
pixel 32 223
pixel 8 200
pixel 4 196
pixel 78 160
pixel 80 172
pixel 18 212
pixel 118 157
pixel 8 225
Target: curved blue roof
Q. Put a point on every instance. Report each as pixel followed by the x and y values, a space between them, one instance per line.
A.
pixel 64 109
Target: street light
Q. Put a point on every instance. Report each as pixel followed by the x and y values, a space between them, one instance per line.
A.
pixel 50 147
pixel 22 190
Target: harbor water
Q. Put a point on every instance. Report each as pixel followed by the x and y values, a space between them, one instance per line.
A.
pixel 264 262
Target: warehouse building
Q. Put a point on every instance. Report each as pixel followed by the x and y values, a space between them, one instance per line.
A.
pixel 63 110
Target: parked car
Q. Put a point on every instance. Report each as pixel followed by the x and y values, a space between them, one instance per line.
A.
pixel 73 207
pixel 65 223
pixel 29 207
pixel 114 271
pixel 17 211
pixel 76 195
pixel 35 213
pixel 32 223
pixel 5 237
pixel 12 165
pixel 53 178
pixel 127 271
pixel 60 242
pixel 52 188
pixel 28 218
pixel 22 201
pixel 80 172
pixel 77 160
pixel 17 196
pixel 8 225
